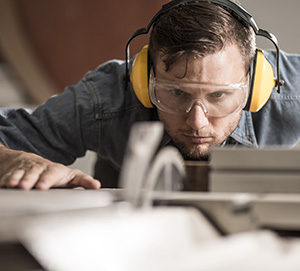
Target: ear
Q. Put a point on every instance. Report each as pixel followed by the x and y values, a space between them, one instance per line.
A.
pixel 139 77
pixel 262 82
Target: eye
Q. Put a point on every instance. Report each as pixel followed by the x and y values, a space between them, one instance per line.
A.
pixel 176 92
pixel 217 95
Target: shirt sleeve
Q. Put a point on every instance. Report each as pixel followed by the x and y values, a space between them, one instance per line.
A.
pixel 58 130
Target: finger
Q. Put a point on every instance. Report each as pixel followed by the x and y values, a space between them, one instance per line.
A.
pixel 3 179
pixel 13 179
pixel 85 181
pixel 3 182
pixel 30 178
pixel 54 176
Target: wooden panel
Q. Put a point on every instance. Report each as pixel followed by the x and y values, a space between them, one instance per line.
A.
pixel 17 51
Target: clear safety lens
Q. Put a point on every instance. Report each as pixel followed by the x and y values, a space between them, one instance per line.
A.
pixel 180 98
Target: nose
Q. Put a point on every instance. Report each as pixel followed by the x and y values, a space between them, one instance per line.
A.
pixel 197 118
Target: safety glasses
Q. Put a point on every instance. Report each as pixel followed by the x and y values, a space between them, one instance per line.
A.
pixel 215 100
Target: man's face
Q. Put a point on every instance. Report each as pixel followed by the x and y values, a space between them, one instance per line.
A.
pixel 195 132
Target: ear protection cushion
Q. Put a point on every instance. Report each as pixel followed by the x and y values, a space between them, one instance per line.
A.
pixel 262 82
pixel 139 77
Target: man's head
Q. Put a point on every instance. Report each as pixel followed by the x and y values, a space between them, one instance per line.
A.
pixel 201 44
pixel 202 28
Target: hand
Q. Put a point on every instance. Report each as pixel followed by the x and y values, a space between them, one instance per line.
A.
pixel 27 170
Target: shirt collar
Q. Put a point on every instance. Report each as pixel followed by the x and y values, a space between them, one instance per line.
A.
pixel 244 132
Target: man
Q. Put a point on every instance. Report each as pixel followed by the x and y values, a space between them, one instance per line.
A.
pixel 200 56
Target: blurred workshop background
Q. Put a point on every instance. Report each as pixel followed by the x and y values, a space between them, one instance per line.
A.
pixel 47 45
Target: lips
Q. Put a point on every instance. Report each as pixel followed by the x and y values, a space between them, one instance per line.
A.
pixel 199 139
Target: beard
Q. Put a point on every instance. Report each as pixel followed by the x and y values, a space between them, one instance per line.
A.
pixel 199 151
pixel 194 152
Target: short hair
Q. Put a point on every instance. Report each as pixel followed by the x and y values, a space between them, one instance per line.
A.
pixel 200 28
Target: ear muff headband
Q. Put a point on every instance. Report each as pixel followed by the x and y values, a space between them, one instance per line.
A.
pixel 262 84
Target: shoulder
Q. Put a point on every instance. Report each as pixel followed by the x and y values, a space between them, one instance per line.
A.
pixel 111 98
pixel 107 75
pixel 289 65
pixel 277 123
pixel 108 87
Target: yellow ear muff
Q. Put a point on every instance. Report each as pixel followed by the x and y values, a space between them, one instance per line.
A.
pixel 139 77
pixel 263 82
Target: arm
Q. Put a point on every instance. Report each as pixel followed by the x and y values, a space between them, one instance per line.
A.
pixel 95 114
pixel 36 142
pixel 27 170
pixel 61 129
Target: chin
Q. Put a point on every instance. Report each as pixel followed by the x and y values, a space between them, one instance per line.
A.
pixel 199 152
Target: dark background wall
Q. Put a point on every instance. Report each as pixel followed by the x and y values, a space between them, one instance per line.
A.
pixel 52 43
pixel 60 40
pixel 71 37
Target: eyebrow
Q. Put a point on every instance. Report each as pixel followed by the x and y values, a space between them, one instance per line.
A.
pixel 193 84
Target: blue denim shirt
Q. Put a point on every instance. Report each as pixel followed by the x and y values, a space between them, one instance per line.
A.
pixel 97 114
